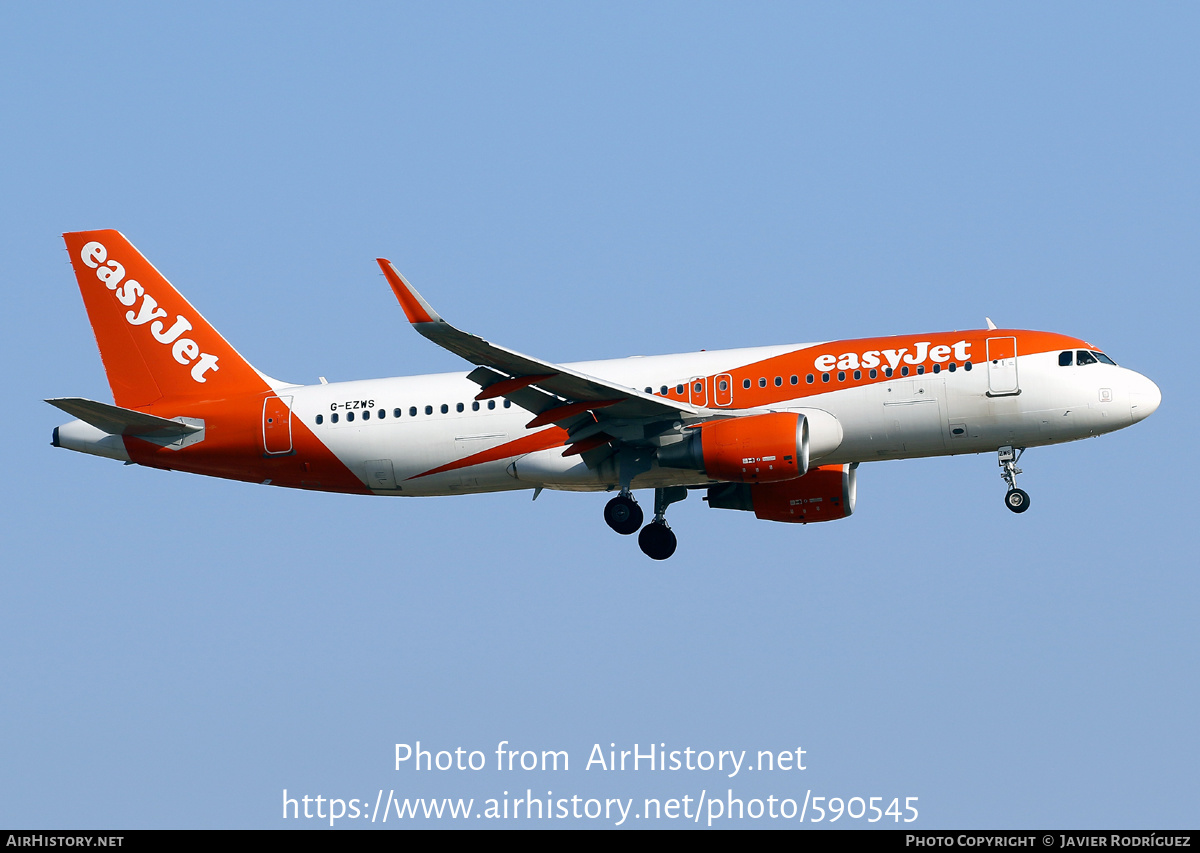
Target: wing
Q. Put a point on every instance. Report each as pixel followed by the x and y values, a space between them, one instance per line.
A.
pixel 594 411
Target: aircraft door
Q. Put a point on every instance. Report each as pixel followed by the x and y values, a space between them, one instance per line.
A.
pixel 277 425
pixel 698 391
pixel 1002 367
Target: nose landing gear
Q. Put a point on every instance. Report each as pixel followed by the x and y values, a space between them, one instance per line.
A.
pixel 1015 499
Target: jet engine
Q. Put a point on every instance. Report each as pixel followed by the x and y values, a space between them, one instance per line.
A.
pixel 766 448
pixel 823 494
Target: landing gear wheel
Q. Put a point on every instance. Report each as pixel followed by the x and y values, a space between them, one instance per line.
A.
pixel 657 541
pixel 1016 500
pixel 623 515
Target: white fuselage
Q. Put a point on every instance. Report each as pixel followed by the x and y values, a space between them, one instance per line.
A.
pixel 928 415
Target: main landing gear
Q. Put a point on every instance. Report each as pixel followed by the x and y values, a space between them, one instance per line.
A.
pixel 623 514
pixel 656 540
pixel 1015 499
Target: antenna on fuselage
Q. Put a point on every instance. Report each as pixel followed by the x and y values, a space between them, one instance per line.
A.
pixel 991 325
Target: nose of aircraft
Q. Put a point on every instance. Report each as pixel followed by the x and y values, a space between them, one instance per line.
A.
pixel 1144 398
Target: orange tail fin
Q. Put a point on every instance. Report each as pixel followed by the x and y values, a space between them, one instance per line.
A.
pixel 154 344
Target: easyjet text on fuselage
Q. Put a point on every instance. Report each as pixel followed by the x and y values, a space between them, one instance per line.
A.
pixel 922 350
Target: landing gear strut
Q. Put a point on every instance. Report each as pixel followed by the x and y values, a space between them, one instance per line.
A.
pixel 623 514
pixel 656 539
pixel 1015 499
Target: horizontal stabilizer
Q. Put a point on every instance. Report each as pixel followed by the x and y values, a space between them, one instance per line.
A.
pixel 117 421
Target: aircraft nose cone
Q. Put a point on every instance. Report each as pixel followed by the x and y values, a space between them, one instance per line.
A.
pixel 1143 399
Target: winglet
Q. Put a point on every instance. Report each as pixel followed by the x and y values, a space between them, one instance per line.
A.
pixel 415 307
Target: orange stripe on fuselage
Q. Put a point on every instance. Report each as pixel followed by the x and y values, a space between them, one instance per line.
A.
pixel 802 362
pixel 543 440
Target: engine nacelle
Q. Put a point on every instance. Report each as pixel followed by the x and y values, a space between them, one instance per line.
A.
pixel 824 432
pixel 823 494
pixel 767 448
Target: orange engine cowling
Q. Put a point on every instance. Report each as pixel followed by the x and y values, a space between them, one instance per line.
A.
pixel 767 448
pixel 823 494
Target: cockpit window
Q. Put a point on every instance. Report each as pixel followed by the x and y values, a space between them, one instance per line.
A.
pixel 1104 358
pixel 1083 357
pixel 1066 359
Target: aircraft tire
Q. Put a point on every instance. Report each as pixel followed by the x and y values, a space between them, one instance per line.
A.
pixel 1017 500
pixel 657 541
pixel 623 515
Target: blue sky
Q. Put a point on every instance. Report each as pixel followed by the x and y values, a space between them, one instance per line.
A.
pixel 588 181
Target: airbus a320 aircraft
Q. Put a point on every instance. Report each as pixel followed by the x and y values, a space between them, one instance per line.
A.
pixel 778 431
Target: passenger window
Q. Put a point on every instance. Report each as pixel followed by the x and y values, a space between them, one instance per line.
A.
pixel 953 367
pixel 887 371
pixel 745 383
pixel 904 371
pixel 874 373
pixel 320 419
pixel 723 385
pixel 381 414
pixel 698 387
pixel 459 407
pixel 809 379
pixel 412 411
pixel 508 404
pixel 1065 358
pixel 937 368
pixel 824 377
pixel 445 408
pixel 762 382
pixel 491 404
pixel 349 416
pixel 429 410
pixel 841 376
pixel 967 366
pixel 475 406
pixel 679 388
pixel 397 412
pixel 778 381
pixel 367 415
pixel 921 370
pixel 1083 357
pixel 795 380
pixel 333 418
pixel 858 374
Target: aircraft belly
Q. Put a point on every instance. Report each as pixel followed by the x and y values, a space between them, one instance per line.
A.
pixel 893 420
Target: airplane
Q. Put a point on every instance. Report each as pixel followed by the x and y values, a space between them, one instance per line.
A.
pixel 779 431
